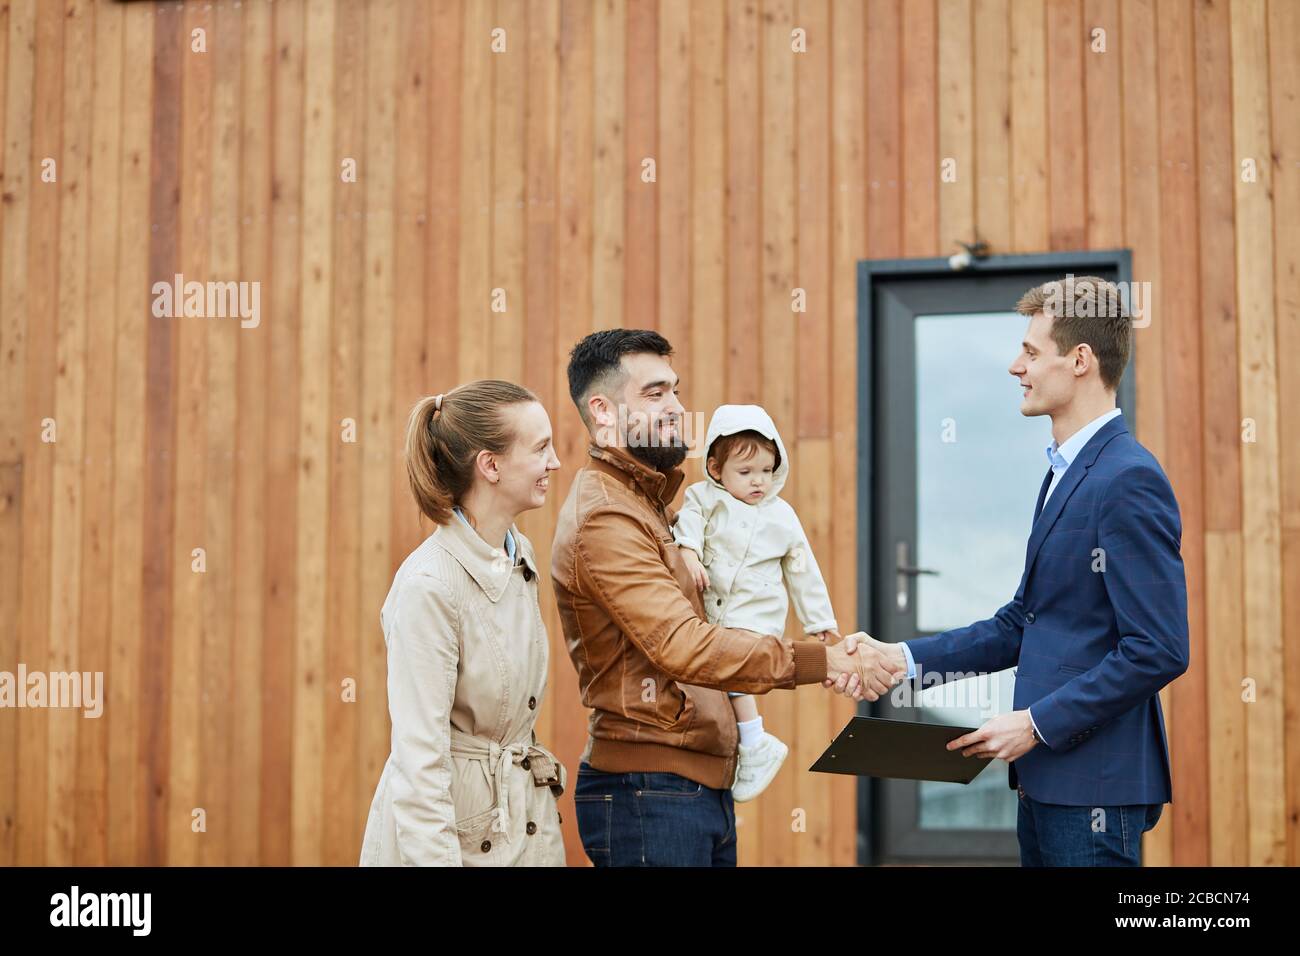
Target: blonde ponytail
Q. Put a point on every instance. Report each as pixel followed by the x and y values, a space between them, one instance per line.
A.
pixel 444 435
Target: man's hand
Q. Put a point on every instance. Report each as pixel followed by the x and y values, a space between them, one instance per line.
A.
pixel 698 574
pixel 857 668
pixel 1006 736
pixel 893 655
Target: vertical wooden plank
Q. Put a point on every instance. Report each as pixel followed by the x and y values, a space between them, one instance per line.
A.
pixel 921 131
pixel 69 415
pixel 160 409
pixel 1142 212
pixel 257 48
pixel 812 460
pixel 509 127
pixel 774 321
pixel 1284 88
pixel 475 287
pixel 702 258
pixel 381 435
pixel 705 379
pixel 1221 440
pixel 18 171
pixel 884 104
pixel 6 422
pixel 812 205
pixel 673 189
pixel 1217 234
pixel 850 167
pixel 215 780
pixel 38 455
pixel 956 124
pixel 1290 627
pixel 315 434
pixel 1028 127
pixel 640 306
pixel 992 79
pixel 443 237
pixel 608 219
pixel 1103 116
pixel 1067 168
pixel 10 530
pixel 128 764
pixel 104 184
pixel 410 219
pixel 1257 367
pixel 589 171
pixel 282 433
pixel 744 177
pixel 1176 81
pixel 1225 710
pixel 344 816
pixel 190 532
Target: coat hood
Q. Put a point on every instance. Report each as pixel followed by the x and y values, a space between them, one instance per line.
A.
pixel 728 420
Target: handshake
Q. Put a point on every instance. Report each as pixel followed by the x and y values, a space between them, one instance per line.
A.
pixel 864 668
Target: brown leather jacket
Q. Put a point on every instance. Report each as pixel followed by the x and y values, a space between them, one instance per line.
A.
pixel 650 665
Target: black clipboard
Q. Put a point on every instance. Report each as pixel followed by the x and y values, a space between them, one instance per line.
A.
pixel 899 749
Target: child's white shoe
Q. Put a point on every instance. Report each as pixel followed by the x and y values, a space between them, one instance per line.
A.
pixel 757 767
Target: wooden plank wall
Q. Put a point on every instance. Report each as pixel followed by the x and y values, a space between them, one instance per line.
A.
pixel 1175 132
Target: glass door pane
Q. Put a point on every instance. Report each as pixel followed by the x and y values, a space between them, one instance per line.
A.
pixel 979 464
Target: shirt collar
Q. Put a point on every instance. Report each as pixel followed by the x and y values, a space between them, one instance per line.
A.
pixel 1061 456
pixel 510 538
pixel 489 567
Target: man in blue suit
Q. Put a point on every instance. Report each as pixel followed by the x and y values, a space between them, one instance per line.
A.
pixel 1099 622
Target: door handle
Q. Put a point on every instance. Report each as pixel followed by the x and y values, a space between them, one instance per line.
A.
pixel 904 570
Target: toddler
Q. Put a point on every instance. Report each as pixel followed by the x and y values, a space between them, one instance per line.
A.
pixel 745 549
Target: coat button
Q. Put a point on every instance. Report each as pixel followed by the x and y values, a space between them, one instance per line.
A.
pixel 532 703
pixel 1029 617
pixel 719 602
pixel 487 845
pixel 531 828
pixel 525 764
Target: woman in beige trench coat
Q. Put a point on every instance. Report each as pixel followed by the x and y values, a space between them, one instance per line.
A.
pixel 466 782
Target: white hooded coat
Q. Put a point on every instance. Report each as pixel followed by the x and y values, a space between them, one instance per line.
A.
pixel 754 553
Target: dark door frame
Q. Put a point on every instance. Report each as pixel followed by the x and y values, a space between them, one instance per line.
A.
pixel 872 272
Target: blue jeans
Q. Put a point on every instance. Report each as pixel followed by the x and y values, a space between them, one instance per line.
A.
pixel 1051 834
pixel 653 819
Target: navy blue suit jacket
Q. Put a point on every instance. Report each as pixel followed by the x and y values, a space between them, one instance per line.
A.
pixel 1098 625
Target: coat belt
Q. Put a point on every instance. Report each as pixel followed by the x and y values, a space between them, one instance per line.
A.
pixel 547 771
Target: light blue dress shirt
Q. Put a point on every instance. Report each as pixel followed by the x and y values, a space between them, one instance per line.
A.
pixel 510 538
pixel 1059 457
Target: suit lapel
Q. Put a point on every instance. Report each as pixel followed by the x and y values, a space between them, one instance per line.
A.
pixel 1042 493
pixel 1073 477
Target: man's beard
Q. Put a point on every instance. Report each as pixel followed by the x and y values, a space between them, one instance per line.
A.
pixel 659 457
pixel 641 438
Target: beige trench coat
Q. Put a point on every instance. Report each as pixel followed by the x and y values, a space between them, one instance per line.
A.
pixel 465 782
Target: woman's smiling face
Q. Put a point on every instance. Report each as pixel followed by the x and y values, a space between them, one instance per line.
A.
pixel 526 467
